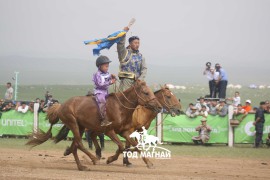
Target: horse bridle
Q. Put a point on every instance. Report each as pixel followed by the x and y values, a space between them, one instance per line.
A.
pixel 145 101
pixel 166 104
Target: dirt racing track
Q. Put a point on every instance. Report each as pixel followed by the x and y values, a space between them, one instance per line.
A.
pixel 51 164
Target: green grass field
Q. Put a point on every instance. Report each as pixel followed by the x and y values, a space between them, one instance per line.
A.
pixel 64 92
pixel 240 151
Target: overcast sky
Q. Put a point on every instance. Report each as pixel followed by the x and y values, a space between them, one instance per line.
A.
pixel 180 33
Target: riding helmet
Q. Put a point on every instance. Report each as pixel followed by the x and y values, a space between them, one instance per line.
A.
pixel 102 60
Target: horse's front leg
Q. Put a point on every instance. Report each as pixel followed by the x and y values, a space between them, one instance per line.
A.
pixel 134 143
pixel 117 141
pixel 125 158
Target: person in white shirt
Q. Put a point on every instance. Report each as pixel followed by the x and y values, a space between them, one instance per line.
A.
pixel 192 111
pixel 9 92
pixel 203 112
pixel 212 77
pixel 236 99
pixel 201 103
pixel 22 107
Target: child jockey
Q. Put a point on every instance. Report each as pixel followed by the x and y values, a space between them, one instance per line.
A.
pixel 102 80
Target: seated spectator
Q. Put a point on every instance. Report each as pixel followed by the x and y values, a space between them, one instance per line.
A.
pixel 201 103
pixel 189 107
pixel 203 112
pixel 222 109
pixel 7 106
pixel 239 110
pixel 207 102
pixel 213 108
pixel 22 107
pixel 236 99
pixel 1 104
pixel 37 100
pixel 192 111
pixel 204 133
pixel 31 106
pixel 41 106
pixel 247 107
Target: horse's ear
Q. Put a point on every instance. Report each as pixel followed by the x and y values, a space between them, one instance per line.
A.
pixel 139 82
pixel 142 82
pixel 161 87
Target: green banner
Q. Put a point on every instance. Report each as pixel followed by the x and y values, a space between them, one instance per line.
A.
pixel 15 123
pixel 182 128
pixel 244 133
pixel 175 129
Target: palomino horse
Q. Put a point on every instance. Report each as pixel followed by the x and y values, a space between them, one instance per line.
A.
pixel 81 112
pixel 141 117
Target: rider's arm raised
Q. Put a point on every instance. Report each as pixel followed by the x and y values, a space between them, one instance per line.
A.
pixel 121 48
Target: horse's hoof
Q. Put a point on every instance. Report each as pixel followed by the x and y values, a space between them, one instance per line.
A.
pixel 96 161
pixel 109 160
pixel 128 165
pixel 67 151
pixel 83 168
pixel 98 157
pixel 150 166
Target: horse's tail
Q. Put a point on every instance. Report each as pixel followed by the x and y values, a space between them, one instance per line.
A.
pixel 62 134
pixel 40 136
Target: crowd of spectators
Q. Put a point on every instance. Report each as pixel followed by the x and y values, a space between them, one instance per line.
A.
pixel 214 106
pixel 8 103
pixel 204 107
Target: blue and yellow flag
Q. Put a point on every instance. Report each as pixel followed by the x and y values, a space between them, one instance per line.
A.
pixel 106 42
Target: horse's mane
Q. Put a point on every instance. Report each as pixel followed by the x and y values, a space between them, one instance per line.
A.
pixel 162 88
pixel 129 89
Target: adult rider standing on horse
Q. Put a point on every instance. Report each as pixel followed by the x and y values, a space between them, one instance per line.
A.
pixel 132 63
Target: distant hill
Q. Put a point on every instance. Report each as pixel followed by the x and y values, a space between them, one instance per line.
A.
pixel 79 71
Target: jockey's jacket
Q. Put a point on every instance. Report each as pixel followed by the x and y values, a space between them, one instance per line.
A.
pixel 132 63
pixel 102 82
pixel 130 66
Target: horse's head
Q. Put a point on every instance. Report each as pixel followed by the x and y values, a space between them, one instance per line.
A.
pixel 168 100
pixel 146 96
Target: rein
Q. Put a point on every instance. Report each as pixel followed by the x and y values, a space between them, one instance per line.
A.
pixel 145 101
pixel 143 98
pixel 116 87
pixel 166 104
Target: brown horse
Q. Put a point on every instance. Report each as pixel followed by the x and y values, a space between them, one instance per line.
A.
pixel 79 113
pixel 143 117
